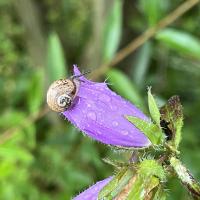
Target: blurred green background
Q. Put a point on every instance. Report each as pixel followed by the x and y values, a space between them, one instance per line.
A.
pixel 42 156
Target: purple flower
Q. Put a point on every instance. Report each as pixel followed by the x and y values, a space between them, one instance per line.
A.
pixel 99 113
pixel 92 192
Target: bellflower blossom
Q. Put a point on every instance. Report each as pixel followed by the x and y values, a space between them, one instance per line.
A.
pixel 100 113
pixel 92 192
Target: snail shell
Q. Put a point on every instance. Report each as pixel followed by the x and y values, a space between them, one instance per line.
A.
pixel 61 94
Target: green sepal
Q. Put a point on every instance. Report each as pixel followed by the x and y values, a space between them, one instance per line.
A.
pixel 160 194
pixel 172 120
pixel 142 187
pixel 117 164
pixel 149 175
pixel 151 168
pixel 153 108
pixel 152 131
pixel 115 186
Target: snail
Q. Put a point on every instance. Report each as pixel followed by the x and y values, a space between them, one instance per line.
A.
pixel 61 94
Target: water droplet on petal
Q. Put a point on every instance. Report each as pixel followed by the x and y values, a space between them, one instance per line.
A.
pixel 104 98
pixel 124 132
pixel 99 132
pixel 88 105
pixel 86 196
pixel 101 121
pixel 113 107
pixel 114 123
pixel 113 94
pixel 91 115
pixel 102 88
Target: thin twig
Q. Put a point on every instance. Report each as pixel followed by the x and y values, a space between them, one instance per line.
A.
pixel 148 34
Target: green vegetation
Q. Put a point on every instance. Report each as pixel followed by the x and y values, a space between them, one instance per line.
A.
pixel 42 156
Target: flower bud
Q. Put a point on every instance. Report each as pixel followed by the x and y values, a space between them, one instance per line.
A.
pixel 100 113
pixel 92 192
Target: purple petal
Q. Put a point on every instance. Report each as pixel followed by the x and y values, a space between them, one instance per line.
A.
pixel 99 113
pixel 92 192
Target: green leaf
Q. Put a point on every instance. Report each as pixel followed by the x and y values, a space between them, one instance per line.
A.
pixel 142 188
pixel 115 163
pixel 180 41
pixel 172 120
pixel 152 131
pixel 29 135
pixel 36 91
pixel 153 108
pixel 12 118
pixel 56 65
pixel 160 194
pixel 112 31
pixel 116 184
pixel 137 189
pixel 14 153
pixel 149 175
pixel 151 168
pixel 153 10
pixel 123 85
pixel 141 65
pixel 111 185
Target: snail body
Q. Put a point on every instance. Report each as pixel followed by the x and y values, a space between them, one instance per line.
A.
pixel 61 94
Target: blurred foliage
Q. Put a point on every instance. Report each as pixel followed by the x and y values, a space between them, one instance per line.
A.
pixel 42 155
pixel 56 65
pixel 112 31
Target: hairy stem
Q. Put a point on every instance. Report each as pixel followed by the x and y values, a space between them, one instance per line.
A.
pixel 186 178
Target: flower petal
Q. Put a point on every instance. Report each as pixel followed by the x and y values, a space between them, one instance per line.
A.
pixel 92 192
pixel 99 113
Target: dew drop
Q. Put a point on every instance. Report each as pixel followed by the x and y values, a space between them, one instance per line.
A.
pixel 104 98
pixel 100 118
pixel 113 107
pixel 83 111
pixel 99 132
pixel 101 121
pixel 124 132
pixel 114 94
pixel 91 115
pixel 114 123
pixel 86 197
pixel 88 105
pixel 100 88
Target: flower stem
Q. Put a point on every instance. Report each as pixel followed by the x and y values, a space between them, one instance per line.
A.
pixel 186 178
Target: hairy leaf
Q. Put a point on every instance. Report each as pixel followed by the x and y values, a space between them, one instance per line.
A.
pixel 172 120
pixel 152 131
pixel 153 108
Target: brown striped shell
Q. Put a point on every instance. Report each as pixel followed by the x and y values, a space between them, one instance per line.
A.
pixel 61 94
